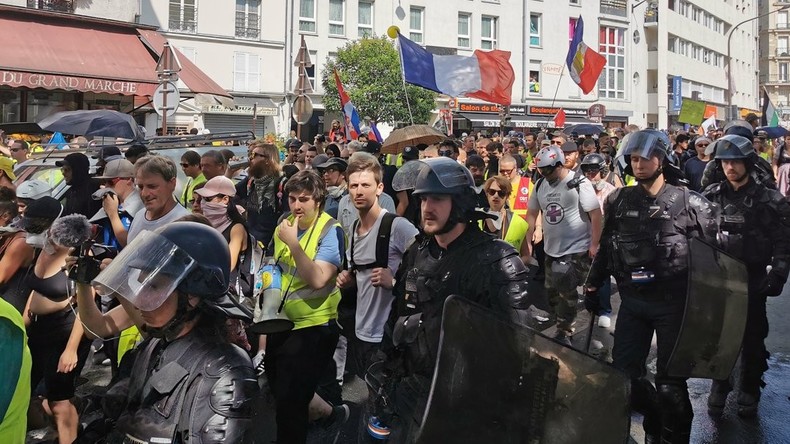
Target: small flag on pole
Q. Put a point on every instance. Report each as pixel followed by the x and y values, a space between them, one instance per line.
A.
pixel 350 114
pixel 559 118
pixel 770 116
pixel 374 133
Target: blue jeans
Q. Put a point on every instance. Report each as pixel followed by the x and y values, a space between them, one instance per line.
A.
pixel 605 298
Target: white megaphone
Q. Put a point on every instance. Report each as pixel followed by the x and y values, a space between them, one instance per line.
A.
pixel 268 317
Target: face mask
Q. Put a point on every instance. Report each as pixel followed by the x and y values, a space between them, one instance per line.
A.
pixel 36 240
pixel 216 213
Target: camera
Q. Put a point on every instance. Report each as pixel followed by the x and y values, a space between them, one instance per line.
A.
pixel 89 259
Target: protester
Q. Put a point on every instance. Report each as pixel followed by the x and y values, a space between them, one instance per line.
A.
pixel 16 383
pixel 190 164
pixel 31 190
pixel 506 225
pixel 75 168
pixel 16 256
pixel 215 203
pixel 260 194
pixel 120 202
pixel 156 180
pixel 333 171
pixel 7 176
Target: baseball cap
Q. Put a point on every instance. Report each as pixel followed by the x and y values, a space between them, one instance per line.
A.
pixel 337 162
pixel 295 143
pixel 410 153
pixel 217 185
pixel 7 165
pixel 117 168
pixel 569 147
pixel 46 207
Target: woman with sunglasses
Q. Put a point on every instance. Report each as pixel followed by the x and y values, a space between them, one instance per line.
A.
pixel 512 230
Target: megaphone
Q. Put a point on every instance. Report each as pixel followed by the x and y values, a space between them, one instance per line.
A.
pixel 268 317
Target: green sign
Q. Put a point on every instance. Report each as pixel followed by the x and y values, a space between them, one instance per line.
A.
pixel 691 112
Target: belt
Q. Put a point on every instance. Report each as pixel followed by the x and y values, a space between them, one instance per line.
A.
pixel 36 317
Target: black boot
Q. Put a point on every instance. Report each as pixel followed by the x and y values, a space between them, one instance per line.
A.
pixel 718 395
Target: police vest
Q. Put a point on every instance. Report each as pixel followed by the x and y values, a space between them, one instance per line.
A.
pixel 519 198
pixel 13 426
pixel 305 306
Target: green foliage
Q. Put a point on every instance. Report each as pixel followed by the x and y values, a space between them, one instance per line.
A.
pixel 370 71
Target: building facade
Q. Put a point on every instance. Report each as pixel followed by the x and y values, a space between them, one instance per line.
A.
pixel 658 53
pixel 775 56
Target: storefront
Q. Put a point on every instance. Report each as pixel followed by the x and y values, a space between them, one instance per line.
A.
pixel 60 62
pixel 523 117
pixel 240 118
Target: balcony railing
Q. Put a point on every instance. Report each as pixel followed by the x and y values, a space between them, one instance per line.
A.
pixel 182 25
pixel 615 7
pixel 782 52
pixel 52 5
pixel 782 26
pixel 247 26
pixel 775 78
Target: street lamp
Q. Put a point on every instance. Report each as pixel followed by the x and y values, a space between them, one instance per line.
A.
pixel 782 7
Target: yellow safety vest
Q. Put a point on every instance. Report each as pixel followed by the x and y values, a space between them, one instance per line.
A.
pixel 515 232
pixel 13 426
pixel 128 340
pixel 305 306
pixel 189 189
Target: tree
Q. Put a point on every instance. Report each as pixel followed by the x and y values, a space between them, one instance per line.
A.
pixel 371 75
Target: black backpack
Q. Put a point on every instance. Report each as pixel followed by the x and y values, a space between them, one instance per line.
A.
pixel 382 244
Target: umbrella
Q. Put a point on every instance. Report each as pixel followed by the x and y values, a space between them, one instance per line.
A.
pixel 583 129
pixel 773 132
pixel 99 122
pixel 410 136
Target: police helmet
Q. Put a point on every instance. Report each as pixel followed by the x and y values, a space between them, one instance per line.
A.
pixel 732 147
pixel 549 156
pixel 594 162
pixel 740 128
pixel 443 175
pixel 33 189
pixel 646 144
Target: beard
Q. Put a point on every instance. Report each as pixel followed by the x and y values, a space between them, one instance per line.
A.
pixel 263 169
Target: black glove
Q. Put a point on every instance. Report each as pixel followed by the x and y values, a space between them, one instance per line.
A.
pixel 772 285
pixel 592 301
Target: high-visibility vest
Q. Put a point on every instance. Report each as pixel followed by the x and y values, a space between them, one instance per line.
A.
pixel 515 230
pixel 305 306
pixel 128 340
pixel 519 197
pixel 13 423
pixel 189 189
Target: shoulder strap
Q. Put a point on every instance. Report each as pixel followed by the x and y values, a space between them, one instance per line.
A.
pixel 383 240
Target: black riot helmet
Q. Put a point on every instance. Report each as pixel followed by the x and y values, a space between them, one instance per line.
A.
pixel 594 162
pixel 189 257
pixel 441 176
pixel 646 144
pixel 732 147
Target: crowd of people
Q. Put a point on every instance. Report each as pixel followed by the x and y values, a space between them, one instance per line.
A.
pixel 367 247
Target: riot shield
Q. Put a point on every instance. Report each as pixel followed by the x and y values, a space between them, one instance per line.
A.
pixel 499 382
pixel 715 318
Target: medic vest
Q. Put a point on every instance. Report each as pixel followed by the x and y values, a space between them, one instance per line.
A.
pixel 305 306
pixel 519 198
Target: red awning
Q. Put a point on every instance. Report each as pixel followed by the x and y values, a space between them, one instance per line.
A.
pixel 73 53
pixel 74 56
pixel 195 79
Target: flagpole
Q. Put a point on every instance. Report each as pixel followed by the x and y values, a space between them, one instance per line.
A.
pixel 556 90
pixel 403 79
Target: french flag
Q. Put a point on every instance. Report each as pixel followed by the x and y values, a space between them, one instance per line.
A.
pixel 374 133
pixel 584 64
pixel 349 111
pixel 486 75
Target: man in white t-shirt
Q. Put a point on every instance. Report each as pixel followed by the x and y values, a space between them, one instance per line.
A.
pixel 156 180
pixel 374 282
pixel 571 232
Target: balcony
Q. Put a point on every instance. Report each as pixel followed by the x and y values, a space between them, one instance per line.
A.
pixel 781 27
pixel 614 7
pixel 775 79
pixel 52 5
pixel 782 52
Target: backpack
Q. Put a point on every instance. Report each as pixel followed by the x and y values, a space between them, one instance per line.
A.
pixel 382 244
pixel 250 260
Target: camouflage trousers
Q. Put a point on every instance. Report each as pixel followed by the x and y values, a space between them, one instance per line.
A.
pixel 564 275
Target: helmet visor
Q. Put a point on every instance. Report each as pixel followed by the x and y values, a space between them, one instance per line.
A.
pixel 449 172
pixel 146 272
pixel 644 144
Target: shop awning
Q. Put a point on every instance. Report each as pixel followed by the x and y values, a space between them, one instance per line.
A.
pixel 492 120
pixel 45 49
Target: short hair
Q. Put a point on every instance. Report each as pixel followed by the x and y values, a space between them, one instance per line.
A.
pixel 312 148
pixel 450 143
pixel 588 142
pixel 354 146
pixel 191 157
pixel 137 151
pixel 502 181
pixel 507 158
pixel 307 181
pixel 217 156
pixel 160 165
pixel 333 148
pixel 364 162
pixel 8 202
pixel 680 138
pixel 495 147
pixel 475 161
pixel 227 154
pixel 484 140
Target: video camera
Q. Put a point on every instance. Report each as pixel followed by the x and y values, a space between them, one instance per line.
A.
pixel 89 258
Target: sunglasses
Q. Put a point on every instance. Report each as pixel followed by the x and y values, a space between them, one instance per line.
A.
pixel 501 193
pixel 703 144
pixel 448 153
pixel 253 155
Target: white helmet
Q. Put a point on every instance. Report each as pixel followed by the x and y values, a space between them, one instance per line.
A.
pixel 33 189
pixel 549 156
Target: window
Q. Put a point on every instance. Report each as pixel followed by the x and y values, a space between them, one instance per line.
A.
pixel 575 2
pixel 313 69
pixel 464 33
pixel 783 72
pixel 248 19
pixel 781 20
pixel 534 77
pixel 246 72
pixel 183 15
pixel 611 43
pixel 337 13
pixel 307 15
pixel 365 19
pixel 52 5
pixel 415 24
pixel 488 32
pixel 571 28
pixel 781 46
pixel 534 30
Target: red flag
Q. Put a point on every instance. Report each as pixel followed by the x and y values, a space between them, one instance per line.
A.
pixel 350 114
pixel 559 118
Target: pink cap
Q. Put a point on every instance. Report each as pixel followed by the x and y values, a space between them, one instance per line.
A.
pixel 217 185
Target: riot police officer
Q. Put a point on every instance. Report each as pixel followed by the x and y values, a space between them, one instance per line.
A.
pixel 760 171
pixel 453 258
pixel 644 245
pixel 188 384
pixel 754 227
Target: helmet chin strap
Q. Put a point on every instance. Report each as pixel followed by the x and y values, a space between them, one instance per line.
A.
pixel 454 219
pixel 169 332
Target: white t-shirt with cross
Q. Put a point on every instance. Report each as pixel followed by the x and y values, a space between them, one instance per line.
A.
pixel 565 229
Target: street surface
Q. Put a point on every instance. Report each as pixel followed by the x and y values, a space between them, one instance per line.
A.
pixel 772 425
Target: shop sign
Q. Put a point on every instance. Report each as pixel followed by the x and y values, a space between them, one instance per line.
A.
pixel 515 110
pixel 246 110
pixel 551 111
pixel 17 79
